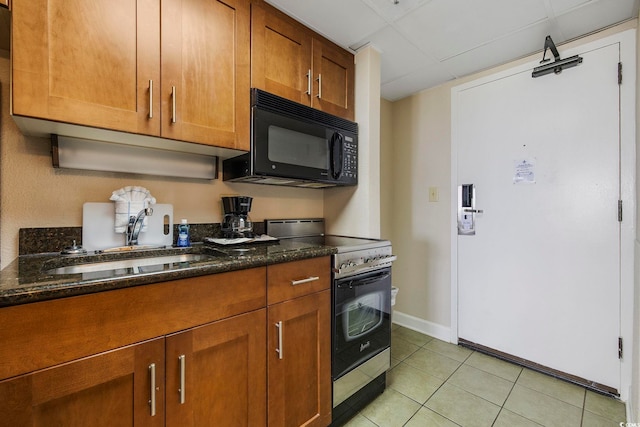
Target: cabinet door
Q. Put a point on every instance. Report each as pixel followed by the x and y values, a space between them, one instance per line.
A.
pixel 87 62
pixel 299 361
pixel 223 369
pixel 334 79
pixel 109 389
pixel 280 54
pixel 205 71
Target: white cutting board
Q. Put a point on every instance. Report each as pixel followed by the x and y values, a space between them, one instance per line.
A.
pixel 98 223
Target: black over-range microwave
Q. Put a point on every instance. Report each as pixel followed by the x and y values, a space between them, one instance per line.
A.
pixel 295 145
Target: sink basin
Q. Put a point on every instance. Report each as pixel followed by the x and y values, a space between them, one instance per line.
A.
pixel 132 265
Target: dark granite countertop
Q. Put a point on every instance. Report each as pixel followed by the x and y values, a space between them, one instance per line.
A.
pixel 31 278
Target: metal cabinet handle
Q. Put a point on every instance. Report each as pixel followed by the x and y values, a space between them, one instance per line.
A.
pixel 183 368
pixel 151 99
pixel 309 82
pixel 280 326
pixel 473 210
pixel 319 86
pixel 173 104
pixel 152 398
pixel 307 280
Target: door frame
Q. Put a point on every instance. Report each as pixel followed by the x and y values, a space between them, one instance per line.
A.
pixel 627 42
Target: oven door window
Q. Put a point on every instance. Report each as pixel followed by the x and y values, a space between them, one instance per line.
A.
pixel 363 314
pixel 361 319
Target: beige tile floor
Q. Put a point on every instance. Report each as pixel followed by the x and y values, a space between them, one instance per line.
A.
pixel 433 383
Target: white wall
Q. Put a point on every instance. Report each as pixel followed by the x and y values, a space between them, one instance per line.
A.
pixel 355 211
pixel 420 229
pixel 387 199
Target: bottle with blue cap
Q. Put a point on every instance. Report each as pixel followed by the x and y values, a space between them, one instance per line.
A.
pixel 184 239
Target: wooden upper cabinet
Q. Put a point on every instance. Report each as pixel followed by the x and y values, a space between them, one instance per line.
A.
pixel 205 71
pixel 334 72
pixel 289 60
pixel 109 389
pixel 280 54
pixel 102 64
pixel 87 62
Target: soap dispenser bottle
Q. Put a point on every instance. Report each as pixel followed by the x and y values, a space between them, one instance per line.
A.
pixel 184 239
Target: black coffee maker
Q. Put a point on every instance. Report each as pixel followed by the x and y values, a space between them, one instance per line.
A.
pixel 236 222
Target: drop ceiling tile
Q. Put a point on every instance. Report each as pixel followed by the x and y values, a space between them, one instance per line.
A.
pixel 398 57
pixel 390 11
pixel 448 28
pixel 467 35
pixel 562 6
pixel 416 81
pixel 343 22
pixel 500 51
pixel 594 16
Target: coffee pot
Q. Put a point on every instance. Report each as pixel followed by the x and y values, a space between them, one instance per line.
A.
pixel 236 222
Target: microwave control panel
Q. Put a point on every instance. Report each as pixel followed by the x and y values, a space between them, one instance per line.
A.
pixel 350 162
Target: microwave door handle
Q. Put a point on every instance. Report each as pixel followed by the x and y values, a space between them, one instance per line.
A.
pixel 336 167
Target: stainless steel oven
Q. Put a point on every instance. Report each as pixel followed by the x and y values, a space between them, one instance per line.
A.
pixel 361 316
pixel 361 312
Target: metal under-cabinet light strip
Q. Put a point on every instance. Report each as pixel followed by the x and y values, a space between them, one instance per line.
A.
pixel 78 153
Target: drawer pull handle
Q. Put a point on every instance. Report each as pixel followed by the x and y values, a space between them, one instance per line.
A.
pixel 280 326
pixel 307 280
pixel 183 367
pixel 151 99
pixel 152 399
pixel 173 104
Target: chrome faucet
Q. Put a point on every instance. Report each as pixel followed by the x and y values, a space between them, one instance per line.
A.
pixel 135 225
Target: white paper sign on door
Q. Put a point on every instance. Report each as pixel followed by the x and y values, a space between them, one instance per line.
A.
pixel 525 171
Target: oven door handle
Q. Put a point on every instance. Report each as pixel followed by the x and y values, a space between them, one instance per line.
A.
pixel 365 282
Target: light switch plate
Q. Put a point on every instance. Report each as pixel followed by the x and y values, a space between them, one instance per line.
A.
pixel 433 194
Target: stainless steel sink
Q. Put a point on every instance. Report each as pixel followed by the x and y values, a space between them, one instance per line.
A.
pixel 136 265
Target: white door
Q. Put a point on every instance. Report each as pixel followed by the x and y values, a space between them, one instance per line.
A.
pixel 540 279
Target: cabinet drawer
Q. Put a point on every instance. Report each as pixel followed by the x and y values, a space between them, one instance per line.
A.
pixel 294 279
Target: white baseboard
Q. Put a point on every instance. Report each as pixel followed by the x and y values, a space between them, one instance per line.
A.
pixel 428 328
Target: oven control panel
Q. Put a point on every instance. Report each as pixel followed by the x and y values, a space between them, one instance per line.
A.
pixel 350 263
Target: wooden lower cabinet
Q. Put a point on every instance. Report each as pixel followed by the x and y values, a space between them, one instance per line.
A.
pixel 204 353
pixel 224 373
pixel 299 361
pixel 109 389
pixel 216 374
